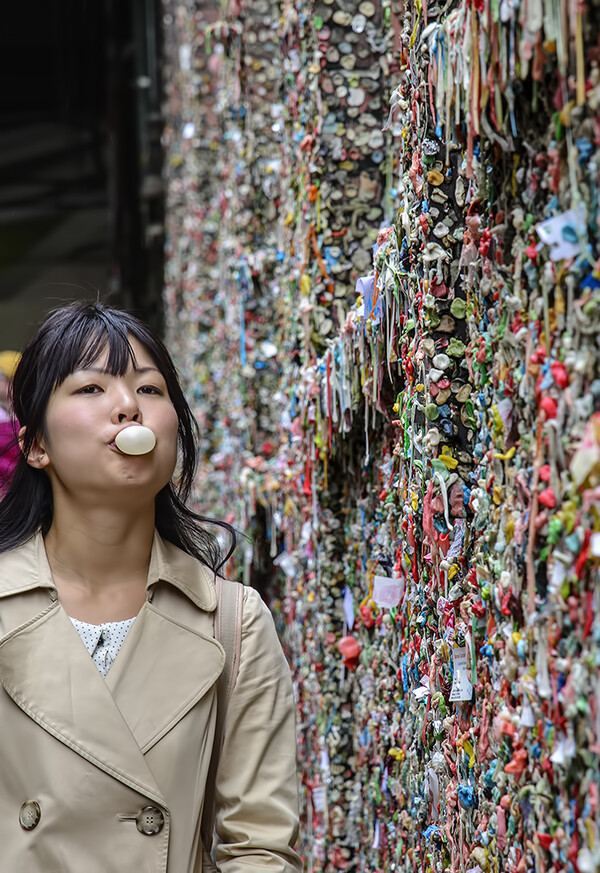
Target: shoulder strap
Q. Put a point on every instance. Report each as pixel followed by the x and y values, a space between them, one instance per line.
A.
pixel 227 630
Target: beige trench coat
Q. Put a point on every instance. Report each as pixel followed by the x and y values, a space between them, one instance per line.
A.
pixel 93 752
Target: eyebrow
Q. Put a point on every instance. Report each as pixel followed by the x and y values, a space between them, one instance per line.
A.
pixel 103 372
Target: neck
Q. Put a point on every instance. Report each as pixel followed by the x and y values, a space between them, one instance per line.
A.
pixel 99 548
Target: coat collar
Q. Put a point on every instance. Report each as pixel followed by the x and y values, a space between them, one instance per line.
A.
pixel 26 568
pixel 170 564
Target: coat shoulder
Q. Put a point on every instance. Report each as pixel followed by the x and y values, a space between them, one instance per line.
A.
pixel 260 642
pixel 25 567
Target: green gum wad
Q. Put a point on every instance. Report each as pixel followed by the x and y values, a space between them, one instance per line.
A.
pixel 555 527
pixel 458 308
pixel 456 348
pixel 439 467
pixel 470 410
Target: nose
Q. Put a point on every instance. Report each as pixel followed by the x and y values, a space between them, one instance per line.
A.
pixel 126 406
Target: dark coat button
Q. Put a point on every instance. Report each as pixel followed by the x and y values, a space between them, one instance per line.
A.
pixel 150 820
pixel 29 815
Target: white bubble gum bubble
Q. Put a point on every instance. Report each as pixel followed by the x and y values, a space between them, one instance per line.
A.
pixel 135 440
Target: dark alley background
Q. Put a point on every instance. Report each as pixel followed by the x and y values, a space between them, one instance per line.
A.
pixel 81 196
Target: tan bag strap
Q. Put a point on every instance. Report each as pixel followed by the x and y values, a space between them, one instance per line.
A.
pixel 227 629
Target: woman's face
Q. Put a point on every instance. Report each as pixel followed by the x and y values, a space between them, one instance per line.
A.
pixel 83 417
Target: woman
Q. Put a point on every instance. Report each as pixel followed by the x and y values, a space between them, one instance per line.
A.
pixel 105 766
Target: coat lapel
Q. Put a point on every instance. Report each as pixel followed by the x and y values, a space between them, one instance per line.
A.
pixel 147 681
pixel 47 671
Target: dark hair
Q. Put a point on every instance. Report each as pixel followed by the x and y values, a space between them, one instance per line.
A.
pixel 73 337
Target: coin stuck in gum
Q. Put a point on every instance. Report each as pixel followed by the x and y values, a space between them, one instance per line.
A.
pixel 135 440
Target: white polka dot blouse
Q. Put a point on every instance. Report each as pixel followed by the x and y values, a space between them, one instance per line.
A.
pixel 103 641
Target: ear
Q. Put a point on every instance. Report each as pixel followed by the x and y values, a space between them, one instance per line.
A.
pixel 36 456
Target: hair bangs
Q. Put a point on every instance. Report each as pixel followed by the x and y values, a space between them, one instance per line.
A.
pixel 96 336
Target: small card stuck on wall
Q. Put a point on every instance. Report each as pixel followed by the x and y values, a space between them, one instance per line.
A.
pixel 462 688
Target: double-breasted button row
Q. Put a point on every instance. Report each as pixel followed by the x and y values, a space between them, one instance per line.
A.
pixel 30 815
pixel 150 820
